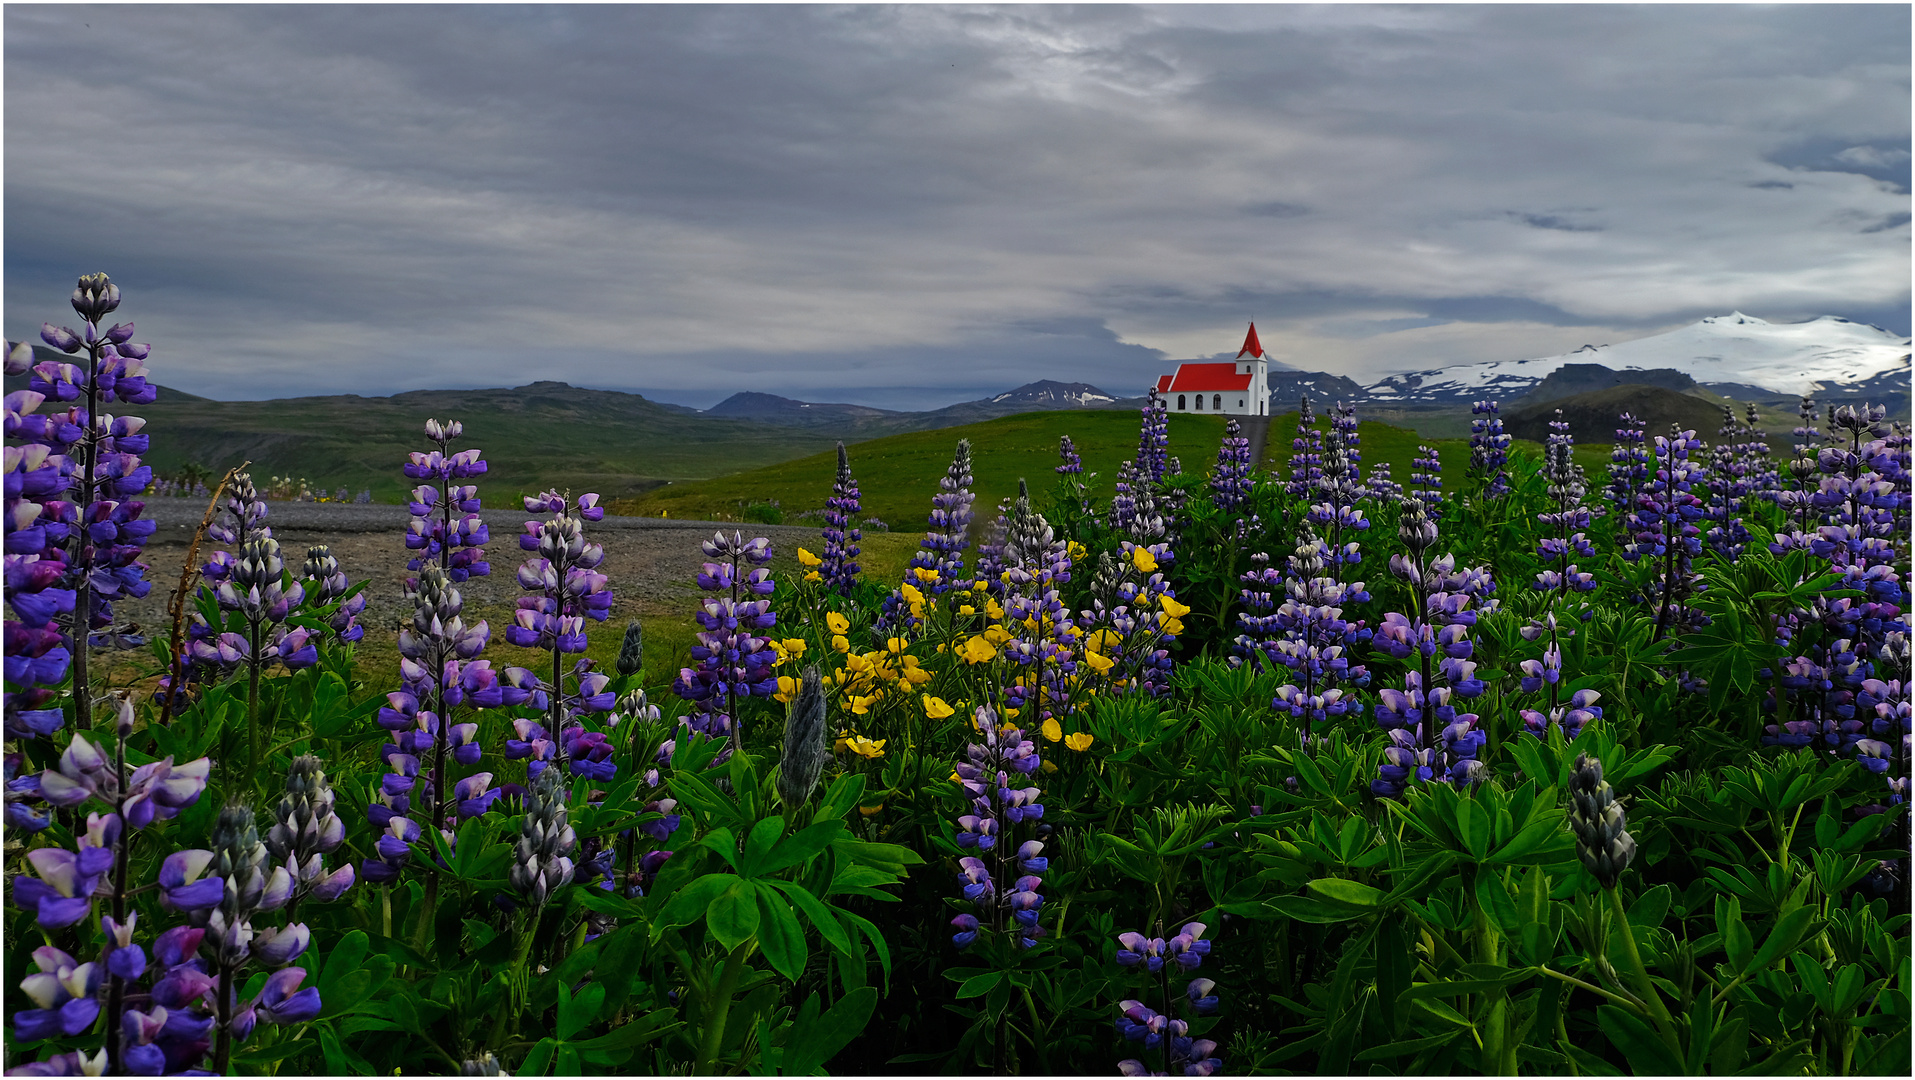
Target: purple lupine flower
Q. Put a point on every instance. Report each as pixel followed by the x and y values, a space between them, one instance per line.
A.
pixel 1628 469
pixel 65 991
pixel 1159 1031
pixel 456 544
pixel 1153 440
pixel 1230 483
pixel 567 589
pixel 1037 565
pixel 840 573
pixel 1563 539
pixel 941 552
pixel 1488 450
pixel 1429 739
pixel 70 498
pixel 1010 905
pixel 439 672
pixel 1073 464
pixel 1306 458
pixel 1426 481
pixel 733 659
pixel 1663 527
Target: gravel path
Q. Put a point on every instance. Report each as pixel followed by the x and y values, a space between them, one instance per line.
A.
pixel 651 561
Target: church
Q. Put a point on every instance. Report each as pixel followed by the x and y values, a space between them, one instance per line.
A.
pixel 1238 388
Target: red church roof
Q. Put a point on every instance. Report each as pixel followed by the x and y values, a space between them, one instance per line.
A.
pixel 1202 378
pixel 1251 345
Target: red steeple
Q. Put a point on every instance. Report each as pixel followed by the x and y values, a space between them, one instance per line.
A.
pixel 1251 345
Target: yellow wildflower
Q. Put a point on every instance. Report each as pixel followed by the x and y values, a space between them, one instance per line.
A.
pixel 977 650
pixel 937 708
pixel 867 811
pixel 866 748
pixel 840 643
pixel 1049 765
pixel 806 558
pixel 814 576
pixel 1051 730
pixel 1075 550
pixel 996 634
pixel 967 609
pixel 1172 608
pixel 1098 662
pixel 1079 740
pixel 911 593
pixel 837 622
pixel 993 609
pixel 1171 626
pixel 787 689
pixel 896 644
pixel 926 575
pixel 1143 560
pixel 980 586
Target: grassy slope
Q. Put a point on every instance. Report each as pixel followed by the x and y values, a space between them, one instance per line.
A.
pixel 898 474
pixel 533 437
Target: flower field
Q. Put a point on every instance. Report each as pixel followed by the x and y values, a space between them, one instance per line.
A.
pixel 1321 770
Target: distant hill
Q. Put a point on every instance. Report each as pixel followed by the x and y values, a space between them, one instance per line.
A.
pixel 1593 415
pixel 858 422
pixel 1572 379
pixel 544 434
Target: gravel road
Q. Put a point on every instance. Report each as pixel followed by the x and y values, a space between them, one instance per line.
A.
pixel 651 561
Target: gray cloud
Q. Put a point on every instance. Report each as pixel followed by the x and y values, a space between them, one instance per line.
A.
pixel 911 205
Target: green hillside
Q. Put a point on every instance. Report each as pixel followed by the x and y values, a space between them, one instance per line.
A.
pixel 538 436
pixel 898 474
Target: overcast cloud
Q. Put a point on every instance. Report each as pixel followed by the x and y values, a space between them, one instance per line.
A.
pixel 918 205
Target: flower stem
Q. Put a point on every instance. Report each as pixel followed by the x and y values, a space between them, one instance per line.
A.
pixel 1640 975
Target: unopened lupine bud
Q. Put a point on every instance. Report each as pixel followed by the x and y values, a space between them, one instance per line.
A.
pixel 487 1065
pixel 631 651
pixel 805 752
pixel 1598 822
pixel 542 861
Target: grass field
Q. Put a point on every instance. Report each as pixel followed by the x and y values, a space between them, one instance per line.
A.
pixel 898 474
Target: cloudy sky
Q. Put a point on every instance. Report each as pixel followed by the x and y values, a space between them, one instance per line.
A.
pixel 909 206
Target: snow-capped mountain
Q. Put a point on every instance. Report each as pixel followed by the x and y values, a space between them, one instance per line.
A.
pixel 1781 358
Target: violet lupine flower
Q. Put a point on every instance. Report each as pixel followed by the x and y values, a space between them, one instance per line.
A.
pixel 456 546
pixel 62 893
pixel 1728 487
pixel 1002 880
pixel 569 589
pixel 103 535
pixel 942 549
pixel 1488 450
pixel 439 672
pixel 734 660
pixel 279 1001
pixel 840 546
pixel 1563 540
pixel 1230 482
pixel 542 860
pixel 1158 1031
pixel 1037 564
pixel 1073 463
pixel 1306 458
pixel 1628 470
pixel 1426 481
pixel 39 592
pixel 1663 527
pixel 1308 634
pixel 1429 739
pixel 158 789
pixel 1153 441
pixel 259 589
pixel 1381 490
pixel 329 586
pixel 66 993
pixel 306 830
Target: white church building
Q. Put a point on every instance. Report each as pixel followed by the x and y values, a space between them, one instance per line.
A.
pixel 1237 388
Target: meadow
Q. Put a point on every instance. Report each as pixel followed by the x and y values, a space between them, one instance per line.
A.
pixel 1565 759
